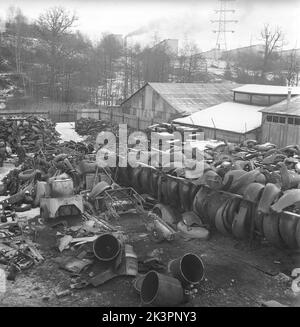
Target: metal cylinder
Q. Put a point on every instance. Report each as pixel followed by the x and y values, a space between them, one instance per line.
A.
pixel 62 187
pixel 188 269
pixel 161 290
pixel 106 247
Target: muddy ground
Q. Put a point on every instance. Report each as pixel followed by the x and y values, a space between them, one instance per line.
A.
pixel 236 274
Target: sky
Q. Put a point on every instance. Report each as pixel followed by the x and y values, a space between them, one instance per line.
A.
pixel 180 19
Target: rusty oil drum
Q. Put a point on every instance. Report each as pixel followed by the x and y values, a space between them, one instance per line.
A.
pixel 161 290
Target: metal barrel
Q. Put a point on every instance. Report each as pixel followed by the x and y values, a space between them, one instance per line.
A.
pixel 106 247
pixel 161 290
pixel 188 269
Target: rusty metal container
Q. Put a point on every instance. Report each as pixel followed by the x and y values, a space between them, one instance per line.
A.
pixel 188 269
pixel 106 247
pixel 161 290
pixel 62 188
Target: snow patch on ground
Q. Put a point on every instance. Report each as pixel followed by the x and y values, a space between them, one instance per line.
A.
pixel 67 132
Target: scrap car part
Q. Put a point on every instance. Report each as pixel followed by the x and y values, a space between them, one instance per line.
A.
pixel 270 193
pixel 190 219
pixel 298 234
pixel 219 219
pixel 253 191
pixel 167 214
pixel 200 202
pixel 241 225
pixel 123 200
pixel 173 191
pixel 231 211
pixel 154 175
pixel 193 231
pixel 287 228
pixel 289 198
pixel 144 178
pixel 230 178
pixel 214 202
pixel 242 182
pixel 271 230
pixel 49 207
pixel 159 229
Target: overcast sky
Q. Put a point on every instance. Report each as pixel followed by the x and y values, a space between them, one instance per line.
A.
pixel 174 19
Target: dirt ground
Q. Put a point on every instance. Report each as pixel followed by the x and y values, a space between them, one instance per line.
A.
pixel 236 274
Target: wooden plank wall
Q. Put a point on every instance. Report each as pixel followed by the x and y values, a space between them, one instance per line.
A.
pixel 280 134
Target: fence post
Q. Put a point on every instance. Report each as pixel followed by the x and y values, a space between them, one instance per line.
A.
pixel 99 114
pixel 111 115
pixel 138 123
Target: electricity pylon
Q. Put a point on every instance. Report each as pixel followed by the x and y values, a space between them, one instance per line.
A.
pixel 223 22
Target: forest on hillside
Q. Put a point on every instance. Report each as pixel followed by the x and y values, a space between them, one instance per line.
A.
pixel 49 58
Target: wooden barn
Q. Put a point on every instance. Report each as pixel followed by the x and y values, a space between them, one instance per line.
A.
pixel 281 122
pixel 163 102
pixel 230 121
pixel 262 95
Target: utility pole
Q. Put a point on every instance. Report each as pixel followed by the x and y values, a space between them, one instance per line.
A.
pixel 223 22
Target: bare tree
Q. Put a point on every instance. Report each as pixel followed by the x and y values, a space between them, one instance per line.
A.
pixel 17 26
pixel 192 66
pixel 291 67
pixel 109 51
pixel 273 39
pixel 52 26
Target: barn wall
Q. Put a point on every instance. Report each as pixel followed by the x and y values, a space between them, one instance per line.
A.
pixel 280 134
pixel 210 133
pixel 221 135
pixel 148 104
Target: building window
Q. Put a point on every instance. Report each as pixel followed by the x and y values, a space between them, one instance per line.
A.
pixel 242 97
pixel 282 120
pixel 297 121
pixel 269 118
pixel 260 100
pixel 291 121
pixel 275 119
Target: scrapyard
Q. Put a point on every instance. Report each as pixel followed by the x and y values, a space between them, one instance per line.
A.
pixel 221 230
pixel 138 173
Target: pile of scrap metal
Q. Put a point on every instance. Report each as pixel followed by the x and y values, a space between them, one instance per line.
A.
pixel 245 191
pixel 17 251
pixel 23 185
pixel 29 131
pixel 90 126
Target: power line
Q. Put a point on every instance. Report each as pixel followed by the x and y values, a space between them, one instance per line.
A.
pixel 223 21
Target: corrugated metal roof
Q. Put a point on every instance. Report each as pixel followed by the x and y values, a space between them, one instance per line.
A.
pixel 266 89
pixel 187 98
pixel 281 108
pixel 227 116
